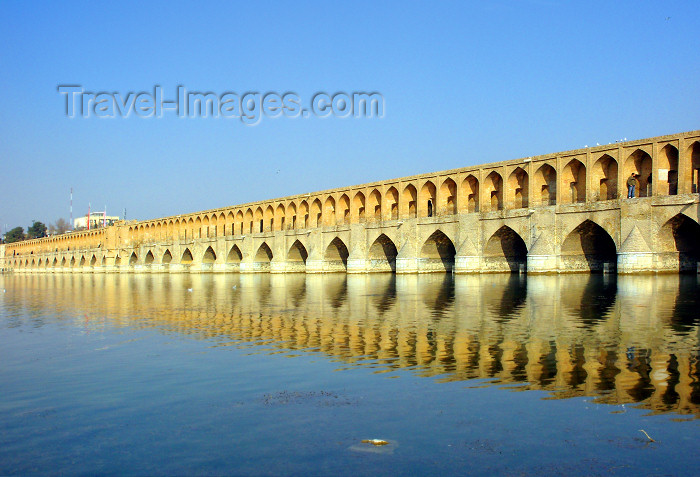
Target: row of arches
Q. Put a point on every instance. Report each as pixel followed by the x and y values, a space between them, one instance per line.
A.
pixel 544 183
pixel 63 242
pixel 587 247
pixel 440 196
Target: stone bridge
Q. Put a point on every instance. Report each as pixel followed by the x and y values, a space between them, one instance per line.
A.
pixel 554 213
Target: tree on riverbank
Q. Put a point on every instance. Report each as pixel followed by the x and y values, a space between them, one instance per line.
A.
pixel 15 235
pixel 61 226
pixel 36 230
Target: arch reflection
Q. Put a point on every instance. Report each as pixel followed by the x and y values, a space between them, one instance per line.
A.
pixel 618 339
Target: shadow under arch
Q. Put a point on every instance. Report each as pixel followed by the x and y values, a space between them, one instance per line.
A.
pixel 680 237
pixel 588 248
pixel 208 259
pixel 506 251
pixel 437 254
pixel 336 256
pixel 382 255
pixel 234 255
pixel 186 258
pixel 209 256
pixel 296 257
pixel 263 257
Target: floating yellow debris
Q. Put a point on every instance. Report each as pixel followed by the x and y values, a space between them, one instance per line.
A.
pixel 375 442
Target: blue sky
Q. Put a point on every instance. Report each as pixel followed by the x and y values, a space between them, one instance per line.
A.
pixel 464 83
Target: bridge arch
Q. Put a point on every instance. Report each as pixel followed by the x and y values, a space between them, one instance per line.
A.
pixel 329 211
pixel 291 214
pixel 505 250
pixel 667 164
pixel 588 247
pixel 208 223
pixel 262 258
pixel 437 253
pixel 545 185
pixel 374 205
pixel 518 189
pixel 604 178
pixel 382 255
pixel 343 210
pixel 693 168
pixel 93 260
pixel 234 255
pixel 247 225
pixel 206 231
pixel 221 225
pixel 167 257
pixel 448 197
pixel 190 227
pixel 133 259
pixel 336 256
pixel 186 258
pixel 409 207
pixel 315 214
pixel 574 182
pixel 679 240
pixel 303 214
pixel 639 163
pixel 239 223
pixel 269 220
pixel 280 217
pixel 229 222
pixel 358 207
pixel 470 188
pixel 149 258
pixel 494 190
pixel 296 257
pixel 426 200
pixel 197 232
pixel 392 203
pixel 209 256
pixel 258 220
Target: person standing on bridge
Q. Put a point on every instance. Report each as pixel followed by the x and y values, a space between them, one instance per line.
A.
pixel 631 184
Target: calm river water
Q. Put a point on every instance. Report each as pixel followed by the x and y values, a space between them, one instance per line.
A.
pixel 287 375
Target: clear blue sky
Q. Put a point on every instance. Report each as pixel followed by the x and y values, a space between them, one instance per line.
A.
pixel 464 83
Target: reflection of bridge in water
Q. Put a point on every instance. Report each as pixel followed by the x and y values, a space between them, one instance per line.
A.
pixel 622 340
